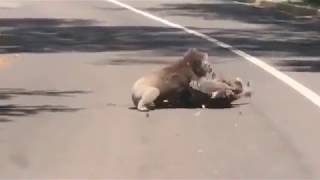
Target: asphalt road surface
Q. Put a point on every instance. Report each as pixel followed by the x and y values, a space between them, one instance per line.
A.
pixel 66 71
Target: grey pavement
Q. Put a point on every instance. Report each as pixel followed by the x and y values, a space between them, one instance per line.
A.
pixel 66 71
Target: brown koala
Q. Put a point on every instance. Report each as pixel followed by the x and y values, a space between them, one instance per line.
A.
pixel 169 82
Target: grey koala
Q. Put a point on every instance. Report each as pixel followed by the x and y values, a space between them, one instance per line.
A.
pixel 214 91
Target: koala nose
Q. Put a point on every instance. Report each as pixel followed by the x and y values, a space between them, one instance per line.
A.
pixel 210 70
pixel 213 75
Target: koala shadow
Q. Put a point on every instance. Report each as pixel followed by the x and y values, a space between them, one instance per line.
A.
pixel 195 100
pixel 213 104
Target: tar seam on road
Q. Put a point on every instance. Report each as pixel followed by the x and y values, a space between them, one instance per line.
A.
pixel 306 92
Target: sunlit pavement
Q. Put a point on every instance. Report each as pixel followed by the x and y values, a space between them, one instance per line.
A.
pixel 66 71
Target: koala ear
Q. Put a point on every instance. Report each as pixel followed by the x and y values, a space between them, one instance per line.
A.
pixel 190 51
pixel 205 56
pixel 187 53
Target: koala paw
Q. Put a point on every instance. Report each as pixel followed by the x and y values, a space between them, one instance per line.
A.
pixel 218 94
pixel 194 85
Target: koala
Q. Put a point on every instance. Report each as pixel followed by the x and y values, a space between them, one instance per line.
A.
pixel 217 92
pixel 170 82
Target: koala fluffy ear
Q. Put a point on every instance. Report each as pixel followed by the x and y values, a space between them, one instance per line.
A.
pixel 190 51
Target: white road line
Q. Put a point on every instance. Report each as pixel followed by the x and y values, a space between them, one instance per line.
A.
pixel 306 92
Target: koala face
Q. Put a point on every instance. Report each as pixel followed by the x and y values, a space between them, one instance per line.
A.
pixel 199 62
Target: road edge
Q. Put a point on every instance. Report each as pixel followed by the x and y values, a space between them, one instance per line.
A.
pixel 290 9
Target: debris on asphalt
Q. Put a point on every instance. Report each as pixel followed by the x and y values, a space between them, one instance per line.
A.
pixel 203 106
pixel 147 115
pixel 200 151
pixel 111 104
pixel 197 113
